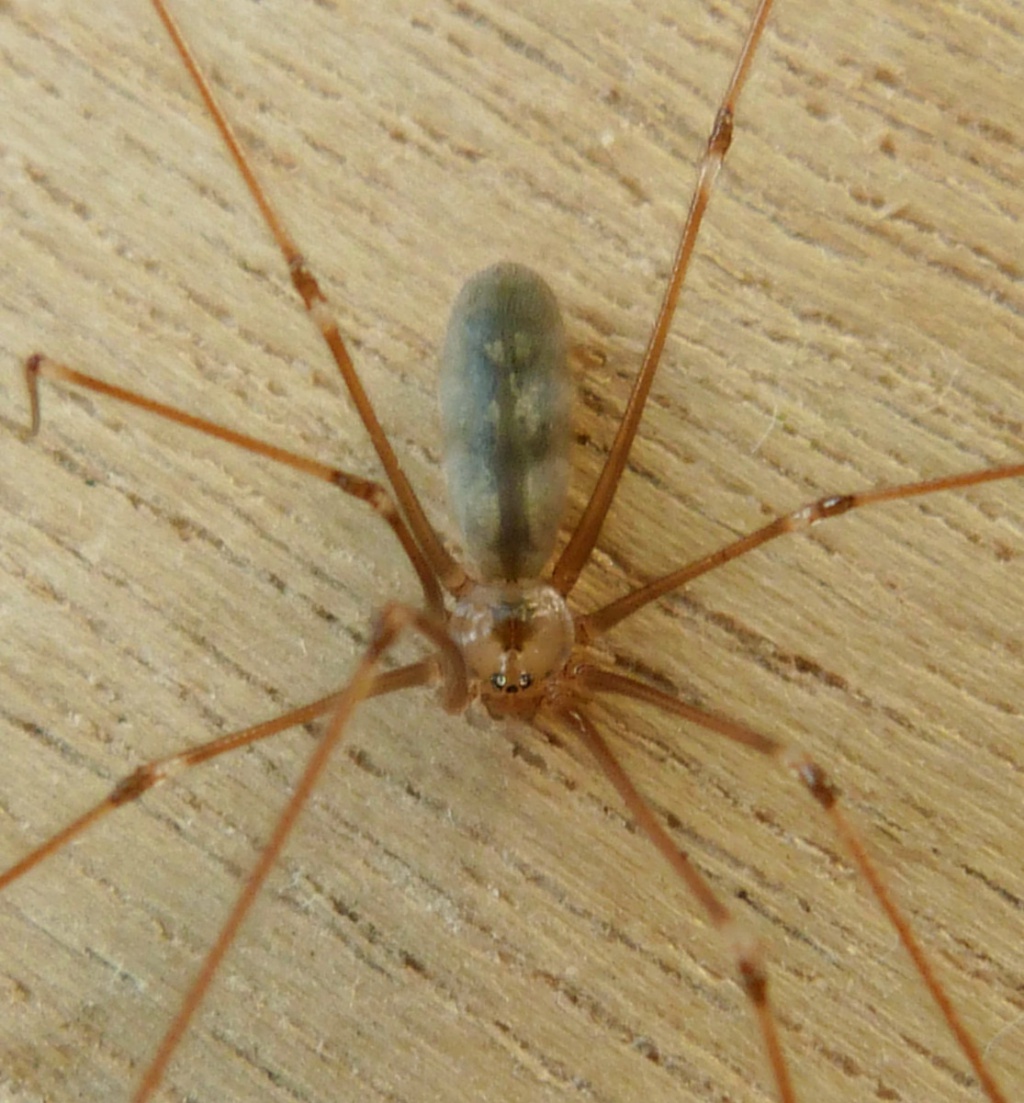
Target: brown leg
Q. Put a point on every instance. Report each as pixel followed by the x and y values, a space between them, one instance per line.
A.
pixel 744 949
pixel 372 493
pixel 594 624
pixel 817 783
pixel 154 773
pixel 394 620
pixel 441 562
pixel 576 553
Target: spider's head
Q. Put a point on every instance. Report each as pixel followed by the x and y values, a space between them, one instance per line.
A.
pixel 516 638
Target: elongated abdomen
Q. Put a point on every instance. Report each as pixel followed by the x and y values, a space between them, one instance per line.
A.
pixel 506 401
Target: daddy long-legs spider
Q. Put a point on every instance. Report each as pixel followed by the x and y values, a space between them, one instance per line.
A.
pixel 849 321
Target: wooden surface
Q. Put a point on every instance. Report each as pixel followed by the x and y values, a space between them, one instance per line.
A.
pixel 464 914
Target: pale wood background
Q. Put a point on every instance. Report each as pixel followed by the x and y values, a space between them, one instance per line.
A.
pixel 455 921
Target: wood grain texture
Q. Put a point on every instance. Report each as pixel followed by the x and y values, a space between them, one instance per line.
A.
pixel 464 914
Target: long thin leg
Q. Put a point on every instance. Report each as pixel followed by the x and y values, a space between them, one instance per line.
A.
pixel 592 625
pixel 817 783
pixel 583 539
pixel 744 950
pixel 394 620
pixel 150 774
pixel 444 566
pixel 366 490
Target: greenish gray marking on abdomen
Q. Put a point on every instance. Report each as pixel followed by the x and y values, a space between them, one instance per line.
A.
pixel 506 402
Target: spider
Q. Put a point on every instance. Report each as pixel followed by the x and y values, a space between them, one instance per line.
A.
pixel 564 991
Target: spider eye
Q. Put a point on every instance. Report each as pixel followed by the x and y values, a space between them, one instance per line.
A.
pixel 498 681
pixel 525 681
